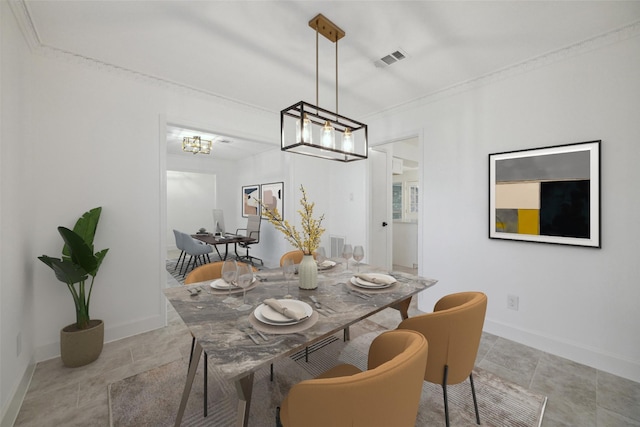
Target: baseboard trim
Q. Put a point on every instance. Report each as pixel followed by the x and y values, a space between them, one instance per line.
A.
pixel 10 412
pixel 593 357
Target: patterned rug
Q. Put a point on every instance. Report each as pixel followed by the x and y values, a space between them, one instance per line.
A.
pixel 152 397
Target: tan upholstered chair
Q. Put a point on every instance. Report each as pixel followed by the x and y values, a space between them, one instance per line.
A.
pixel 387 394
pixel 296 256
pixel 453 330
pixel 210 271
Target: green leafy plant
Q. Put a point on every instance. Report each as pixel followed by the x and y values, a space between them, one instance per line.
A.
pixel 78 262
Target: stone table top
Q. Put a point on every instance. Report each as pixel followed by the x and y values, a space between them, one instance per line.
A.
pixel 220 328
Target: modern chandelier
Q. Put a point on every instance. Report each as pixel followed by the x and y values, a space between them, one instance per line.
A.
pixel 195 145
pixel 311 130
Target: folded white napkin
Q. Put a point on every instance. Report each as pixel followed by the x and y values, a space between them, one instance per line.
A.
pixel 378 280
pixel 326 263
pixel 288 312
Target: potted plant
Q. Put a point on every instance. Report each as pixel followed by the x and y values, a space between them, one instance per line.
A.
pixel 81 342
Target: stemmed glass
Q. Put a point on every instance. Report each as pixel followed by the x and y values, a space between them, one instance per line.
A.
pixel 289 270
pixel 347 252
pixel 321 256
pixel 245 278
pixel 229 275
pixel 358 255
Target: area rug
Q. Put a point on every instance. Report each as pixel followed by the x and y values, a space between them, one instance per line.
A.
pixel 151 398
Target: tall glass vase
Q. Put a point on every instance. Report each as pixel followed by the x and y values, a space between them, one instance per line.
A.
pixel 308 273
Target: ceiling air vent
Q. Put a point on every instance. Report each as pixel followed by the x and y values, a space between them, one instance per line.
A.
pixel 391 58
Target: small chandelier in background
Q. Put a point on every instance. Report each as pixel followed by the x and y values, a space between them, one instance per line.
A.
pixel 196 145
pixel 300 122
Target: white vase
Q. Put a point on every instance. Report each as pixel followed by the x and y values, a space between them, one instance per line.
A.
pixel 308 273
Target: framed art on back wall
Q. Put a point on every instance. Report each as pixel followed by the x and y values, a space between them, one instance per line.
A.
pixel 547 195
pixel 250 196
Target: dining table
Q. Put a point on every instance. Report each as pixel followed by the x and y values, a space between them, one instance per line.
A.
pixel 224 239
pixel 237 343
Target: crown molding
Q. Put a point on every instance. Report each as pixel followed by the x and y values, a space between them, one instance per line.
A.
pixel 30 33
pixel 573 50
pixel 27 26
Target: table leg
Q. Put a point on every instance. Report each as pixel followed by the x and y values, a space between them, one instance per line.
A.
pixel 219 256
pixel 403 308
pixel 193 366
pixel 244 388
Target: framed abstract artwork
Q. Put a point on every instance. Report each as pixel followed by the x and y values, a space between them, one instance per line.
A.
pixel 273 196
pixel 548 195
pixel 250 197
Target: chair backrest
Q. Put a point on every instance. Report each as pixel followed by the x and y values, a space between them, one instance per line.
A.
pixel 178 236
pixel 453 330
pixel 296 256
pixel 253 227
pixel 210 271
pixel 192 247
pixel 388 394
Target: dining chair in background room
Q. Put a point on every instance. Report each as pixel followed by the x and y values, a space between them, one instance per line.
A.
pixel 453 330
pixel 253 231
pixel 180 246
pixel 296 256
pixel 386 394
pixel 210 271
pixel 197 251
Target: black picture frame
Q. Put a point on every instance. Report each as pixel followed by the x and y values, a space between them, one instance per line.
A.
pixel 272 195
pixel 249 200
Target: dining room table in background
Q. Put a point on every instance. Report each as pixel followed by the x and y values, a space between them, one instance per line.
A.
pixel 228 336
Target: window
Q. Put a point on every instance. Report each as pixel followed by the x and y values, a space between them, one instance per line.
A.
pixel 396 202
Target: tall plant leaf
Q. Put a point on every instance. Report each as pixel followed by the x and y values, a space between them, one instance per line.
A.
pixel 65 271
pixel 80 253
pixel 85 227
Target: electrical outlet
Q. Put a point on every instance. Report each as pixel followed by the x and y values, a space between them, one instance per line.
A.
pixel 512 302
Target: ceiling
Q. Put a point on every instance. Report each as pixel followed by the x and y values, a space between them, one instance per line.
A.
pixel 262 53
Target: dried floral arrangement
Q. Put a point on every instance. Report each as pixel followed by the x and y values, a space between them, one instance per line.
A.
pixel 307 241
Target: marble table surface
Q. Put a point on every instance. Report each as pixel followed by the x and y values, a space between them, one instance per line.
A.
pixel 220 329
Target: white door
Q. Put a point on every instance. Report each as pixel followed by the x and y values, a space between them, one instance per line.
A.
pixel 380 232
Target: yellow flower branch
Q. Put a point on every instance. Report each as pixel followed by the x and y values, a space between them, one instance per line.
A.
pixel 311 228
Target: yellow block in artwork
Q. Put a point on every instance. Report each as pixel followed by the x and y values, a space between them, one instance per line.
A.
pixel 528 221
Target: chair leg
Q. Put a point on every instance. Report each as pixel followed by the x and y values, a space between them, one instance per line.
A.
pixel 206 380
pixel 475 401
pixel 271 376
pixel 182 254
pixel 346 334
pixel 444 394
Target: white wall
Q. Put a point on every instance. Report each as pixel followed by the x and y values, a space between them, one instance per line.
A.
pixel 16 218
pixel 191 198
pixel 579 303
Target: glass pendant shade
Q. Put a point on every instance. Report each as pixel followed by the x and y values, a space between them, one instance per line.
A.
pixel 196 145
pixel 328 136
pixel 347 140
pixel 303 131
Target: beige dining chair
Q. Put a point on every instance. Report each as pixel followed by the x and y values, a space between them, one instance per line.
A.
pixel 296 256
pixel 210 271
pixel 386 394
pixel 453 330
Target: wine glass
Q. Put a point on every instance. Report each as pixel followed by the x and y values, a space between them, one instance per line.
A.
pixel 358 255
pixel 289 270
pixel 245 278
pixel 321 256
pixel 229 275
pixel 347 252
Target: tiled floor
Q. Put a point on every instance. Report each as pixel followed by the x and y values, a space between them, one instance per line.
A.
pixel 578 395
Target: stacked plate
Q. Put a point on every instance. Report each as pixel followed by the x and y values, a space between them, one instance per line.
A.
pixel 379 281
pixel 326 264
pixel 221 284
pixel 268 315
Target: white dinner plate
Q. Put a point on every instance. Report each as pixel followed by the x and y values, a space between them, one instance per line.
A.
pixel 364 284
pixel 221 284
pixel 267 315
